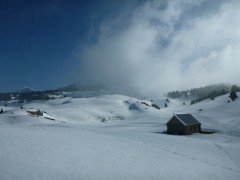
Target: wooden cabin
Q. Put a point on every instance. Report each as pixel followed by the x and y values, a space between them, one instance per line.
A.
pixel 183 124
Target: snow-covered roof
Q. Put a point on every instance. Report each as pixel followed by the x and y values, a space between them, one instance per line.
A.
pixel 187 119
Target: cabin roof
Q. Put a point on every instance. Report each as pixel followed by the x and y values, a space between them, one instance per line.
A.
pixel 186 119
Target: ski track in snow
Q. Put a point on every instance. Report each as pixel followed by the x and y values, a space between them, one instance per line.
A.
pixel 232 157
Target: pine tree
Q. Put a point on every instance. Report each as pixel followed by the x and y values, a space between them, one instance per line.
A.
pixel 192 102
pixel 233 95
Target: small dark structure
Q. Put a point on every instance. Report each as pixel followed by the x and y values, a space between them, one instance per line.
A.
pixel 183 124
pixel 35 112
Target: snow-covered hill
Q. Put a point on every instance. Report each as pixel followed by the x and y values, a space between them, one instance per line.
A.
pixel 117 137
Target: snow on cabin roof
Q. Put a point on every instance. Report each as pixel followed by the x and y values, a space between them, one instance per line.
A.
pixel 187 119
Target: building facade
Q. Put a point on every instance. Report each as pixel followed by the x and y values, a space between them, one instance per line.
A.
pixel 183 124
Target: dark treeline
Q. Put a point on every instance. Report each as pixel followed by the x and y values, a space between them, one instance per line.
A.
pixel 212 95
pixel 45 95
pixel 5 97
pixel 34 95
pixel 207 92
pixel 28 96
pixel 199 92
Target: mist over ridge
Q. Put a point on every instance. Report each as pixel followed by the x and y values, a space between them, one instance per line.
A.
pixel 166 45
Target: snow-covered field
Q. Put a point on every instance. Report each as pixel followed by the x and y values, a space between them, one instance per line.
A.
pixel 117 137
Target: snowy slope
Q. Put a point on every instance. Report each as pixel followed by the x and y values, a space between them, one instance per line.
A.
pixel 117 137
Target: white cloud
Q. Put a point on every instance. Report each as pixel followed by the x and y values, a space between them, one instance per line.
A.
pixel 167 46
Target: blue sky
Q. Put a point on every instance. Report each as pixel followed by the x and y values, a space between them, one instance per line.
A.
pixel 38 39
pixel 143 46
